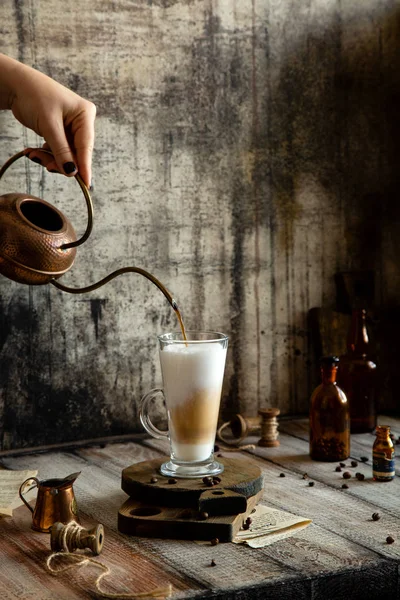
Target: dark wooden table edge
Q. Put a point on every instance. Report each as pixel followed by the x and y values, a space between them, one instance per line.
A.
pixel 353 585
pixel 75 445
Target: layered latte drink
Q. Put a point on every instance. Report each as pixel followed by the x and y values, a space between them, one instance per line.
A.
pixel 192 376
pixel 192 371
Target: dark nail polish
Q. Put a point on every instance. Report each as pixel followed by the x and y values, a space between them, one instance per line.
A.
pixel 37 160
pixel 69 167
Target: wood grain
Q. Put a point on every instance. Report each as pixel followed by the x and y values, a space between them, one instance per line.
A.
pixel 343 553
pixel 142 519
pixel 238 476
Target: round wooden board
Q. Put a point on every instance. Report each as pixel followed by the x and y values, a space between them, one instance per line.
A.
pixel 240 476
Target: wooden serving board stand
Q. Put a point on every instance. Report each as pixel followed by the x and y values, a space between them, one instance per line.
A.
pixel 188 509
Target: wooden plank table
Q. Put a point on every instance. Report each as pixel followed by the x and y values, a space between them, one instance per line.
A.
pixel 343 554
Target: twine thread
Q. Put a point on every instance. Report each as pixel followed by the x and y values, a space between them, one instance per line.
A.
pixel 269 427
pixel 71 536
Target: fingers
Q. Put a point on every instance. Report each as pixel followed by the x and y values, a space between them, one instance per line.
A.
pixel 41 157
pixel 84 142
pixel 55 136
pixel 69 158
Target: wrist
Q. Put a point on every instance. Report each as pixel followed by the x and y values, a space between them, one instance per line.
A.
pixel 10 73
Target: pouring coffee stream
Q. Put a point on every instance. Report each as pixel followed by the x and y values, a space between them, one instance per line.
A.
pixel 38 243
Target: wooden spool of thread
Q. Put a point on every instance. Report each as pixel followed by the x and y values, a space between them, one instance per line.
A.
pixel 269 427
pixel 71 536
pixel 241 427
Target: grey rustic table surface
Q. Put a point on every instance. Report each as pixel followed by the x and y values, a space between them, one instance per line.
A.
pixel 342 554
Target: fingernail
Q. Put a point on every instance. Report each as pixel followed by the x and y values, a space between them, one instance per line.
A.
pixel 37 160
pixel 69 167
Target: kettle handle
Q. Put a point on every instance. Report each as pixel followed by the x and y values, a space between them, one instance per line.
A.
pixel 84 189
pixel 21 488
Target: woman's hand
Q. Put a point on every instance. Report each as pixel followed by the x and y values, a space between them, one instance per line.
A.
pixel 61 117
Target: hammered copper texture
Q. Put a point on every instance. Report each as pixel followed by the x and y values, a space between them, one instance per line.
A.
pixel 23 244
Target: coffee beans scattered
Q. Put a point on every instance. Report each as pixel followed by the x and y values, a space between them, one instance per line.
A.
pixel 342 464
pixel 346 475
pixel 249 520
pixel 172 480
pixel 208 481
pixel 153 480
pixel 214 542
pixel 203 515
pixel 282 475
pixel 360 476
pixel 246 526
pixel 389 539
pixel 376 516
pixel 345 486
pixel 213 563
pixel 311 483
pixel 305 476
pixel 354 463
pixel 364 458
pixel 338 469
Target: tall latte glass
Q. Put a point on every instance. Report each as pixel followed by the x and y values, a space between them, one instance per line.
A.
pixel 192 373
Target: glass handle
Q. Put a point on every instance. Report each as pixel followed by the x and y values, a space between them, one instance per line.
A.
pixel 144 416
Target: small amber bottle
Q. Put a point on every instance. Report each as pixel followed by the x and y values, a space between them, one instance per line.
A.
pixel 329 416
pixel 383 455
pixel 357 376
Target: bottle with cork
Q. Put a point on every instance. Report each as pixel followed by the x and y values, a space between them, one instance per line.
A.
pixel 357 375
pixel 383 455
pixel 329 416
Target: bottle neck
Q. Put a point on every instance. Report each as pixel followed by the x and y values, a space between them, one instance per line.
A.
pixel 357 340
pixel 328 373
pixel 382 432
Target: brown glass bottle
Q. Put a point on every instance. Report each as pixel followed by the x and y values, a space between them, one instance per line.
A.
pixel 329 416
pixel 357 376
pixel 383 455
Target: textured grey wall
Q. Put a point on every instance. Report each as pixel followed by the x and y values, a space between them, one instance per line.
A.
pixel 246 150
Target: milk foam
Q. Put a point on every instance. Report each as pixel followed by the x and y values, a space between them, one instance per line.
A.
pixel 192 377
pixel 186 369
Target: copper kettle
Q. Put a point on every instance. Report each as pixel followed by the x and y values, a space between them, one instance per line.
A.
pixel 38 243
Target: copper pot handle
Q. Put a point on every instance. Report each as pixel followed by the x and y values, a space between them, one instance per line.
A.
pixel 89 204
pixel 20 491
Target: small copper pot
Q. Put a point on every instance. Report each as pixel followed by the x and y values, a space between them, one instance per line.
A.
pixel 55 502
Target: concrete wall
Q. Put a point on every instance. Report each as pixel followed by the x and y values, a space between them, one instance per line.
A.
pixel 246 151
